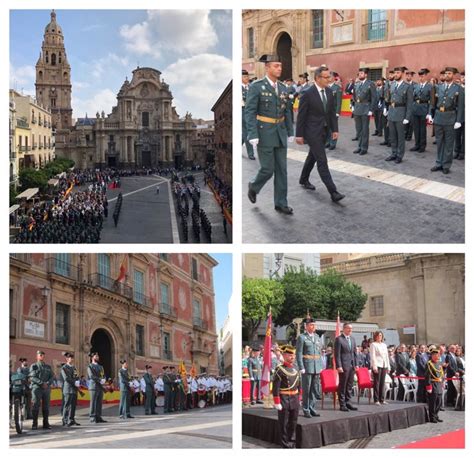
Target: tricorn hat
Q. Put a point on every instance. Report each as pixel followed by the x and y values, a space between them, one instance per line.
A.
pixel 267 58
pixel 288 349
pixel 451 69
pixel 423 71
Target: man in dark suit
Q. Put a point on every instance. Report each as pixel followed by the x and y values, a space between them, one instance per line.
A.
pixel 422 358
pixel 317 114
pixel 452 370
pixel 346 364
pixel 403 368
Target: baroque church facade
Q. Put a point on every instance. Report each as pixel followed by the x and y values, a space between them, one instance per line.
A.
pixel 143 129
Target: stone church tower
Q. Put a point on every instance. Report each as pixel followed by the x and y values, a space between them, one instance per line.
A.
pixel 53 80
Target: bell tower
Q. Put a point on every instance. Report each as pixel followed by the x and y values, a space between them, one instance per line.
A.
pixel 53 79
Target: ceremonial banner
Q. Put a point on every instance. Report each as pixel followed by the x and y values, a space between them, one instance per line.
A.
pixel 267 358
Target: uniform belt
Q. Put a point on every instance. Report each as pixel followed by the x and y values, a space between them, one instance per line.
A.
pixel 446 109
pixel 422 101
pixel 270 120
pixel 311 356
pixel 289 392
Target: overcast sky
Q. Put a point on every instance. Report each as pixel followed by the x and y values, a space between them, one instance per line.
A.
pixel 192 49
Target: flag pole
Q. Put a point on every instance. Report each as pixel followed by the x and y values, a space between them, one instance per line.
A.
pixel 267 364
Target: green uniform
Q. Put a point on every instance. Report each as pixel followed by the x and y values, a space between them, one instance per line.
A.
pixel 308 358
pixel 269 119
pixel 168 385
pixel 41 374
pixel 124 385
pixel 95 374
pixel 26 372
pixel 337 93
pixel 421 104
pixel 365 101
pixel 248 146
pixel 70 377
pixel 400 109
pixel 149 394
pixel 448 109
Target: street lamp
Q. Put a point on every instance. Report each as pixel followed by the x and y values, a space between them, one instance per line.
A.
pixel 44 294
pixel 278 261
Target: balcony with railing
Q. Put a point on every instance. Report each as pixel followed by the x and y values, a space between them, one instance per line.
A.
pixel 56 266
pixel 140 298
pixel 375 31
pixel 167 311
pixel 200 324
pixel 22 257
pixel 168 355
pixel 110 284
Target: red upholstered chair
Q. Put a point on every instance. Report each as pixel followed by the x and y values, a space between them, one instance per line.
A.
pixel 364 382
pixel 329 382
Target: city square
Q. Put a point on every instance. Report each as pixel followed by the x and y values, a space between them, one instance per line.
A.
pixel 118 127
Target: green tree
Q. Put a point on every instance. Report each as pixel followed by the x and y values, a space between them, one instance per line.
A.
pixel 320 295
pixel 258 294
pixel 31 178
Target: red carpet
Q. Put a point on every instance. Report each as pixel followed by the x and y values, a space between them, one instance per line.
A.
pixel 453 439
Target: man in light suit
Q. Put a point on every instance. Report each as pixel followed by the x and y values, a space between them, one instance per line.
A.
pixel 308 358
pixel 317 115
pixel 346 363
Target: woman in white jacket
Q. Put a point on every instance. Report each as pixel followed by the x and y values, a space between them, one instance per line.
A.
pixel 380 365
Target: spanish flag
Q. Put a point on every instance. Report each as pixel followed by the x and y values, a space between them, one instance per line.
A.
pixel 68 190
pixel 267 358
pixel 123 270
pixel 182 372
pixel 192 372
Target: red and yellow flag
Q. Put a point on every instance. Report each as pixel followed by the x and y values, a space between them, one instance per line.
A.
pixel 123 270
pixel 267 357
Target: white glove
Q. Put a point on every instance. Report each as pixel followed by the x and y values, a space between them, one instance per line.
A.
pixel 291 139
pixel 457 125
pixel 302 371
pixel 278 407
pixel 369 113
pixel 102 381
pixel 254 142
pixel 430 119
pixel 405 121
pixel 337 115
pixel 385 112
pixel 352 108
pixel 77 383
pixel 251 379
pixel 291 96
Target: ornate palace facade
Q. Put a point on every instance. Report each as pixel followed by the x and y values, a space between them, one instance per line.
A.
pixel 147 308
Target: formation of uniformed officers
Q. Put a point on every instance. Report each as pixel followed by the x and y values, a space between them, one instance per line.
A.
pixel 296 374
pixel 400 107
pixel 180 392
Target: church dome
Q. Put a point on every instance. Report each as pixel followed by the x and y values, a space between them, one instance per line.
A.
pixel 53 26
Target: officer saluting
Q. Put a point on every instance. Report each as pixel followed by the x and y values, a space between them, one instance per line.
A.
pixel 286 383
pixel 268 116
pixel 96 376
pixel 399 114
pixel 421 105
pixel 447 114
pixel 71 385
pixel 365 101
pixel 124 385
pixel 308 357
pixel 149 392
pixel 41 376
pixel 434 378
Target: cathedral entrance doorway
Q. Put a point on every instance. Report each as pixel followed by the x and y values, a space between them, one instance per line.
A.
pixel 284 51
pixel 102 343
pixel 146 158
pixel 178 161
pixel 111 161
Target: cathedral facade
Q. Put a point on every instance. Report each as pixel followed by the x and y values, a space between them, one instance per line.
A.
pixel 142 130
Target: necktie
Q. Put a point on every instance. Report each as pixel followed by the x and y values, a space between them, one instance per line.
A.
pixel 323 98
pixel 349 342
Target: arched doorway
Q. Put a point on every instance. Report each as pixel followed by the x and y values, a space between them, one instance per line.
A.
pixel 102 343
pixel 284 51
